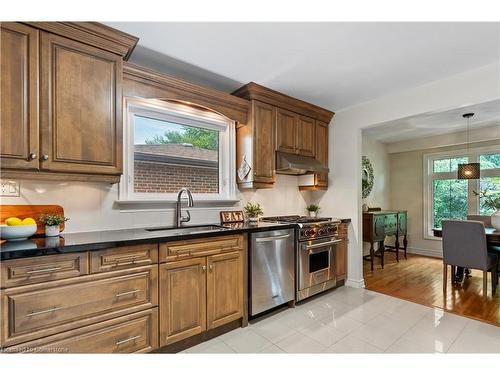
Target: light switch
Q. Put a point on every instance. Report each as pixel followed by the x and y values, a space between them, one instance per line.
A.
pixel 9 188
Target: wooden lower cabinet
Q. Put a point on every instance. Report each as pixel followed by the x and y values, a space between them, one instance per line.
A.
pixel 182 299
pixel 35 311
pixel 134 333
pixel 200 294
pixel 224 288
pixel 341 261
pixel 341 253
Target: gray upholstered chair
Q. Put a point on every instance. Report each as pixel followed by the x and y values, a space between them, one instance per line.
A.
pixel 485 219
pixel 464 245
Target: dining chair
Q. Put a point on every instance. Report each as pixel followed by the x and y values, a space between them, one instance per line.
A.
pixel 485 219
pixel 464 245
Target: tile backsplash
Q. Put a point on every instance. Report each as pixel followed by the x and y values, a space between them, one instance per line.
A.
pixel 92 206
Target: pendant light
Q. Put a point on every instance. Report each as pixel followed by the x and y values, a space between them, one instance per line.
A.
pixel 468 171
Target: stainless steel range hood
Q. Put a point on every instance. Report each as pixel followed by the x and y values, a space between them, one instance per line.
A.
pixel 298 165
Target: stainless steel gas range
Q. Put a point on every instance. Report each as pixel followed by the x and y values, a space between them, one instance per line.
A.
pixel 316 243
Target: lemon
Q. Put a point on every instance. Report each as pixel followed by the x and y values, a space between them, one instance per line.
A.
pixel 28 221
pixel 12 221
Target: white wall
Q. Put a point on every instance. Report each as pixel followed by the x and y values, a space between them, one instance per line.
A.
pixel 379 158
pixel 343 197
pixel 92 206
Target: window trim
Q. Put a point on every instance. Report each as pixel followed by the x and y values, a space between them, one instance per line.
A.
pixel 473 201
pixel 186 115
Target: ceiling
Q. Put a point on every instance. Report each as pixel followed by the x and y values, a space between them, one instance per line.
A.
pixel 333 64
pixel 436 123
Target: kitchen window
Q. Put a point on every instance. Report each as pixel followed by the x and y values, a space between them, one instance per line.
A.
pixel 170 145
pixel 446 197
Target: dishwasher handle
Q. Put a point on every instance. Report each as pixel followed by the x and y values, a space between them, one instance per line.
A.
pixel 272 238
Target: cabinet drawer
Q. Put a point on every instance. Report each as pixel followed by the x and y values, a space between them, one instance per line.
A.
pixel 134 333
pixel 123 257
pixel 43 268
pixel 44 309
pixel 199 247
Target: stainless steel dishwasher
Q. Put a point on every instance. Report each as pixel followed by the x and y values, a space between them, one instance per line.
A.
pixel 272 269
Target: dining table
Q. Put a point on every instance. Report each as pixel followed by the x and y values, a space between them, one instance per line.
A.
pixel 492 237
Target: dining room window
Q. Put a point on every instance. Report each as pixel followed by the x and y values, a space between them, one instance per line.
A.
pixel 447 197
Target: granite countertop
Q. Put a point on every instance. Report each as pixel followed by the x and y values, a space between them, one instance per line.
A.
pixel 88 241
pixel 98 240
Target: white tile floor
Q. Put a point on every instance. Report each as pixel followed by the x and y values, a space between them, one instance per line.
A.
pixel 349 320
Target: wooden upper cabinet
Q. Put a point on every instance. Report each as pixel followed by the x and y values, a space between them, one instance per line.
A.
pixel 322 151
pixel 306 136
pixel 182 299
pixel 19 96
pixel 224 288
pixel 81 110
pixel 286 131
pixel 264 125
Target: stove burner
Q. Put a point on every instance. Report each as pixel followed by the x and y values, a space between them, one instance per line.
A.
pixel 309 227
pixel 296 219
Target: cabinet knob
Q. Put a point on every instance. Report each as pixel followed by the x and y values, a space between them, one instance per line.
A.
pixel 203 268
pixel 32 156
pixel 45 157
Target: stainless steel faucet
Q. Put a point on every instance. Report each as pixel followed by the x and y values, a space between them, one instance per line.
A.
pixel 179 218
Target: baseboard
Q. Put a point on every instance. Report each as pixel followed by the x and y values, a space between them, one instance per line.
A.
pixel 426 252
pixel 355 283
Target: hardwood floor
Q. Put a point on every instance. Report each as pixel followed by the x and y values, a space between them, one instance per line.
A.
pixel 419 279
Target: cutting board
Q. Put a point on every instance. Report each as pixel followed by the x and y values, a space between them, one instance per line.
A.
pixel 23 211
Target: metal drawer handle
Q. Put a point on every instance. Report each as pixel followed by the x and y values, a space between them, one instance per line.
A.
pixel 315 246
pixel 122 294
pixel 183 252
pixel 127 340
pixel 274 238
pixel 41 270
pixel 52 309
pixel 126 260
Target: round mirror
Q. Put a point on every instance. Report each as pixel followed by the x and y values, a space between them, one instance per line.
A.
pixel 366 176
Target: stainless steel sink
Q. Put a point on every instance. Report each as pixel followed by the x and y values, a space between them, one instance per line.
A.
pixel 188 230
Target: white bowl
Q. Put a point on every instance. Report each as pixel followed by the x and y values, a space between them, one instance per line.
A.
pixel 17 232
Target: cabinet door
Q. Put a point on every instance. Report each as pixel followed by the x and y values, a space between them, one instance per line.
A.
pixel 402 219
pixel 306 136
pixel 224 288
pixel 390 224
pixel 379 227
pixel 286 131
pixel 322 151
pixel 264 124
pixel 182 299
pixel 341 260
pixel 19 92
pixel 81 127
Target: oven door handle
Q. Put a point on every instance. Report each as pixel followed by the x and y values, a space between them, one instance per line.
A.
pixel 323 244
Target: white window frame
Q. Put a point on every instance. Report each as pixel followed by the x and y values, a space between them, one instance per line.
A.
pixel 184 115
pixel 430 176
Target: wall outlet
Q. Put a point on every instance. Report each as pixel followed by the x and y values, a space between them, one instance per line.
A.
pixel 9 188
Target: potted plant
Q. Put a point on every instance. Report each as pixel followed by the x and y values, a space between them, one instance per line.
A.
pixel 52 223
pixel 253 211
pixel 492 202
pixel 312 209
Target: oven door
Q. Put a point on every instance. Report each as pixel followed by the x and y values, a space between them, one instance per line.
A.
pixel 316 261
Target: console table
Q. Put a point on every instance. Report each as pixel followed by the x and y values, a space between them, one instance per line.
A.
pixel 379 224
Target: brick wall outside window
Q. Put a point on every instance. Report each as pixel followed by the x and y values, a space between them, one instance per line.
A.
pixel 151 177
